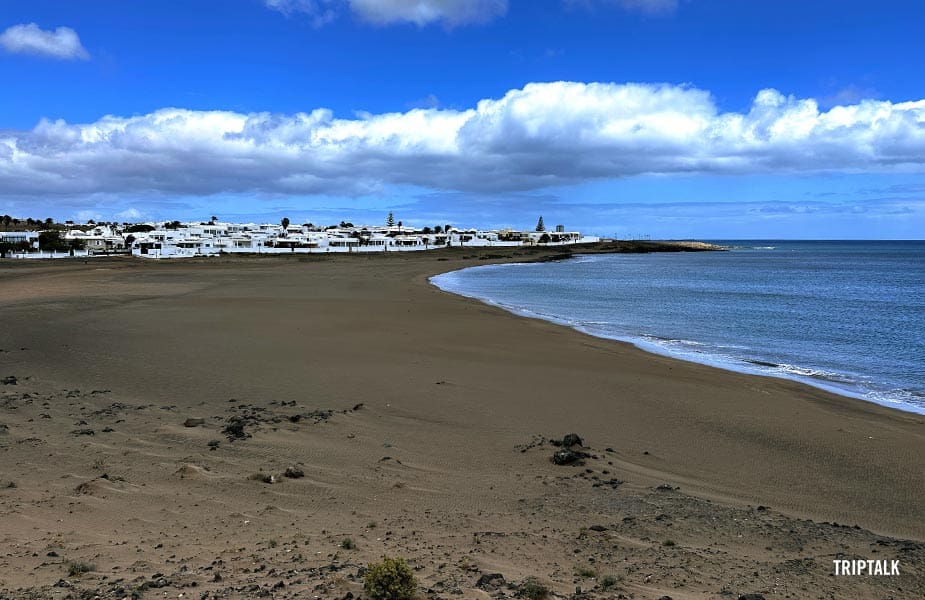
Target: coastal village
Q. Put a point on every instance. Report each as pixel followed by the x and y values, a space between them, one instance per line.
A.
pixel 175 239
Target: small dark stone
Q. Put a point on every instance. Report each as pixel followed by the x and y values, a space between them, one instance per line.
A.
pixel 234 429
pixel 4 429
pixel 571 439
pixel 665 487
pixel 357 406
pixel 214 443
pixel 194 422
pixel 295 418
pixel 597 528
pixel 566 457
pixel 108 430
pixel 761 508
pixel 490 580
pixel 665 598
pixel 85 431
pixel 751 597
pixel 294 472
pixel 52 554
pixel 9 380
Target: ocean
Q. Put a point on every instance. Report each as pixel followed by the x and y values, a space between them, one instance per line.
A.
pixel 846 316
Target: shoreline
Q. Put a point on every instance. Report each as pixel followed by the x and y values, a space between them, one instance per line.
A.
pixel 423 427
pixel 726 363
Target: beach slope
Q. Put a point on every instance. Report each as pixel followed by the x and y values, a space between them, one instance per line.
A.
pixel 417 423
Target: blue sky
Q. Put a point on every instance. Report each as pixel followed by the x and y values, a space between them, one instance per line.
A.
pixel 627 117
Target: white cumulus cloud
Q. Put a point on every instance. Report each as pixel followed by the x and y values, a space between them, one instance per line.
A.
pixel 545 134
pixel 62 43
pixel 652 7
pixel 425 12
pixel 320 12
pixel 387 12
pixel 131 215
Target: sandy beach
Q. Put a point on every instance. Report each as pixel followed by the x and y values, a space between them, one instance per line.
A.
pixel 416 423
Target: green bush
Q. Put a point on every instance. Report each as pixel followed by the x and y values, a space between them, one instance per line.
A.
pixel 586 572
pixel 390 579
pixel 533 589
pixel 77 568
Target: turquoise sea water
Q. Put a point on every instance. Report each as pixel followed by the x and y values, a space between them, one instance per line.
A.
pixel 845 316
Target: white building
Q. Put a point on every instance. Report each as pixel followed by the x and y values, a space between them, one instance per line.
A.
pixel 16 238
pixel 173 239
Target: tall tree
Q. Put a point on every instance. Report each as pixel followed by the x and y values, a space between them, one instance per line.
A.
pixel 539 224
pixel 391 220
pixel 51 240
pixel 285 222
